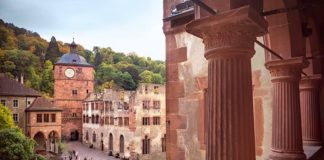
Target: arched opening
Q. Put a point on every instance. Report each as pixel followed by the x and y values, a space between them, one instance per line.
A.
pixel 39 137
pixel 146 145
pixel 87 136
pixel 121 144
pixel 53 139
pixel 74 135
pixel 111 144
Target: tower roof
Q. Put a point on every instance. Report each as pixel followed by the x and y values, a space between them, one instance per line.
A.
pixel 73 58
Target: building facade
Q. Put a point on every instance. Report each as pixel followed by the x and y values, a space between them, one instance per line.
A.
pixel 36 116
pixel 229 98
pixel 18 98
pixel 73 80
pixel 127 122
pixel 44 123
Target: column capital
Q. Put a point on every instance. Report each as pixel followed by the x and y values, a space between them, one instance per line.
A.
pixel 310 82
pixel 288 69
pixel 229 33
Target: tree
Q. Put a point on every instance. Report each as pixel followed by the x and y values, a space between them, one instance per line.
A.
pixel 53 51
pixel 6 120
pixel 14 145
pixel 47 78
pixel 157 79
pixel 146 76
pixel 125 80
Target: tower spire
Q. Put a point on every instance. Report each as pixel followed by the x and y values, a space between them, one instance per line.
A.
pixel 73 46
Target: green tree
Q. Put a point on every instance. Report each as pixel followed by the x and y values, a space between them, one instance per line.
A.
pixel 157 79
pixel 53 51
pixel 6 120
pixel 14 145
pixel 125 80
pixel 47 78
pixel 146 76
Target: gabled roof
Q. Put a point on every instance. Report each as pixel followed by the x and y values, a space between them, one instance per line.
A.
pixel 42 104
pixel 10 87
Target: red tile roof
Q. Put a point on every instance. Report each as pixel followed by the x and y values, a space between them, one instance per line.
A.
pixel 42 104
pixel 10 87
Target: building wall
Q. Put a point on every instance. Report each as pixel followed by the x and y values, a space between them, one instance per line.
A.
pixel 135 131
pixel 23 103
pixel 44 127
pixel 83 82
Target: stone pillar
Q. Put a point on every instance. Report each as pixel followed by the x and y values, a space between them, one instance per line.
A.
pixel 286 118
pixel 229 45
pixel 310 109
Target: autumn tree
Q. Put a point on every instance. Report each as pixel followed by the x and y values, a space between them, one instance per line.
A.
pixel 53 51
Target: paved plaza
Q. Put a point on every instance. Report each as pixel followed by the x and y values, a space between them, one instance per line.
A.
pixel 86 152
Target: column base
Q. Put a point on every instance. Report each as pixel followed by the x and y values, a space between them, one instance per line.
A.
pixel 313 143
pixel 287 156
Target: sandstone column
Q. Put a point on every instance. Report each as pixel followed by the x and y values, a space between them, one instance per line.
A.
pixel 310 112
pixel 286 117
pixel 229 45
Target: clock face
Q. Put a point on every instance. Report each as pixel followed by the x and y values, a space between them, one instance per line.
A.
pixel 69 73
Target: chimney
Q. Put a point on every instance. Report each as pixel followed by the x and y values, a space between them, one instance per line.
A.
pixel 22 78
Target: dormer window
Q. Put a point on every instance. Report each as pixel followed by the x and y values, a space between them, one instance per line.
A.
pixel 74 61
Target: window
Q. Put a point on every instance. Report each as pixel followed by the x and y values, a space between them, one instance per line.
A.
pixel 15 117
pixel 53 117
pixel 15 103
pixel 146 104
pixel 163 143
pixel 146 145
pixel 146 89
pixel 126 121
pixel 92 119
pixel 92 106
pixel 156 120
pixel 3 102
pixel 74 115
pixel 39 118
pixel 87 91
pixel 146 120
pixel 84 119
pixel 74 92
pixel 156 89
pixel 156 104
pixel 106 120
pixel 126 106
pixel 28 102
pixel 120 121
pixel 111 122
pixel 94 138
pixel 46 117
pixel 87 136
pixel 97 119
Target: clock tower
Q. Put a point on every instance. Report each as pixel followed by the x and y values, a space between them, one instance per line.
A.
pixel 73 80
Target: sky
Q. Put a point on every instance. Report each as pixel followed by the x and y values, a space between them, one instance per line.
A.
pixel 124 25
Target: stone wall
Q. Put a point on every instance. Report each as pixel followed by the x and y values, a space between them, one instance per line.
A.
pixel 83 82
pixel 23 103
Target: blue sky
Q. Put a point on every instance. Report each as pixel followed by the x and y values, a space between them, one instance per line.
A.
pixel 123 25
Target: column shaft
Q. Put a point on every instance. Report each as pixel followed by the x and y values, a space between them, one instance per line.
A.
pixel 309 102
pixel 286 116
pixel 230 127
pixel 229 45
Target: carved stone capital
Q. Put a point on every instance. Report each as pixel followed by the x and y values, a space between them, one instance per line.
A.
pixel 289 69
pixel 311 82
pixel 230 33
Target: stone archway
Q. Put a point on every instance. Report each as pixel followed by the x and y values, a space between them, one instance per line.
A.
pixel 40 139
pixel 53 139
pixel 74 135
pixel 121 144
pixel 111 142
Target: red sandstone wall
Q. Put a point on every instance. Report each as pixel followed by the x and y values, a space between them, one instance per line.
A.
pixel 63 86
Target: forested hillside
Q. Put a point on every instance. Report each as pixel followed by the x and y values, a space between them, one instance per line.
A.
pixel 24 53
